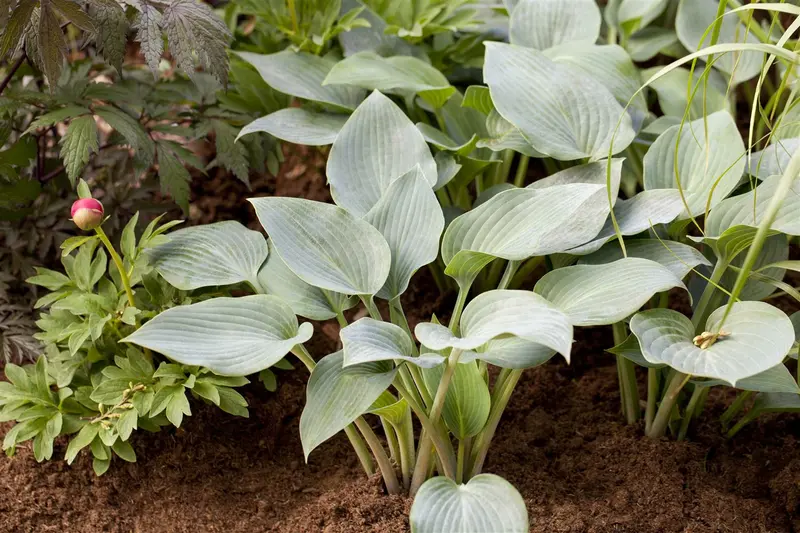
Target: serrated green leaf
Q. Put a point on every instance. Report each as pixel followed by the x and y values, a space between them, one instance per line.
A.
pixel 149 35
pixel 73 13
pixel 173 177
pixel 131 129
pixel 77 145
pixel 56 116
pixel 112 30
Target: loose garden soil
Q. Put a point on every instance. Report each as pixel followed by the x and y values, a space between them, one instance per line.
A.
pixel 562 443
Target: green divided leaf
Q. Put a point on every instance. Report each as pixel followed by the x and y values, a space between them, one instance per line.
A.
pixel 77 144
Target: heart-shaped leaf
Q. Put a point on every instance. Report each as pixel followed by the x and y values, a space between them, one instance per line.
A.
pixel 552 215
pixel 367 340
pixel 773 159
pixel 530 90
pixel 746 210
pixel 467 402
pixel 594 295
pixel 693 19
pixel 672 96
pixel 325 245
pixel 677 257
pixel 304 299
pixel 400 74
pixel 776 379
pixel 503 312
pixel 543 24
pixel 649 42
pixel 377 145
pixel 708 165
pixel 229 336
pixel 409 217
pixel 510 352
pixel 299 126
pixel 337 395
pixel 759 337
pixel 222 253
pixel 635 14
pixel 300 74
pixel 486 503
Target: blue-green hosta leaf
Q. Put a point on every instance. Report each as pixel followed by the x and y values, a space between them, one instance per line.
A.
pixel 677 257
pixel 693 19
pixel 629 349
pixel 635 14
pixel 409 217
pixel 377 145
pixel 502 135
pixel 230 336
pixel 467 403
pixel 649 42
pixel 304 299
pixel 486 503
pixel 775 402
pixel 401 74
pixel 775 250
pixel 760 336
pixel 749 211
pixel 610 65
pixel 478 98
pixel 530 91
pixel 552 215
pixel 325 245
pixel 776 379
pixel 503 312
pixel 299 126
pixel 337 395
pixel 442 141
pixel 447 168
pixel 707 165
pixel 595 295
pixel 773 159
pixel 222 253
pixel 300 74
pixel 510 352
pixel 671 91
pixel 543 24
pixel 367 340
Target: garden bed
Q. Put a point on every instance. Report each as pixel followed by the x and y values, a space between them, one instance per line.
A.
pixel 562 443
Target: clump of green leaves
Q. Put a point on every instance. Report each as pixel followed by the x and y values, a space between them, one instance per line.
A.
pixel 194 33
pixel 89 386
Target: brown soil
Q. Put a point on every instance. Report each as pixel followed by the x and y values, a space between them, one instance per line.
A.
pixel 562 443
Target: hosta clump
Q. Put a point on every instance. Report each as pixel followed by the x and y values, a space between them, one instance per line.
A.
pixel 88 385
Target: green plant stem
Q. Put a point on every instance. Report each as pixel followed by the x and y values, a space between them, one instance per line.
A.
pixel 703 309
pixel 460 462
pixel 352 433
pixel 501 395
pixel 697 394
pixel 746 419
pixel 123 274
pixel 405 435
pixel 664 414
pixel 384 465
pixel 391 440
pixel 293 14
pixel 653 389
pixel 735 408
pixel 436 412
pixel 524 271
pixel 438 277
pixel 627 377
pixel 442 446
pixel 522 170
pixel 341 319
pixel 373 310
pixel 508 274
pixel 458 308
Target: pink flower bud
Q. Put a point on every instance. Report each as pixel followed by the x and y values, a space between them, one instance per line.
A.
pixel 87 213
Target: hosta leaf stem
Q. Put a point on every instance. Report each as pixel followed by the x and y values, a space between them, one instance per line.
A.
pixel 426 444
